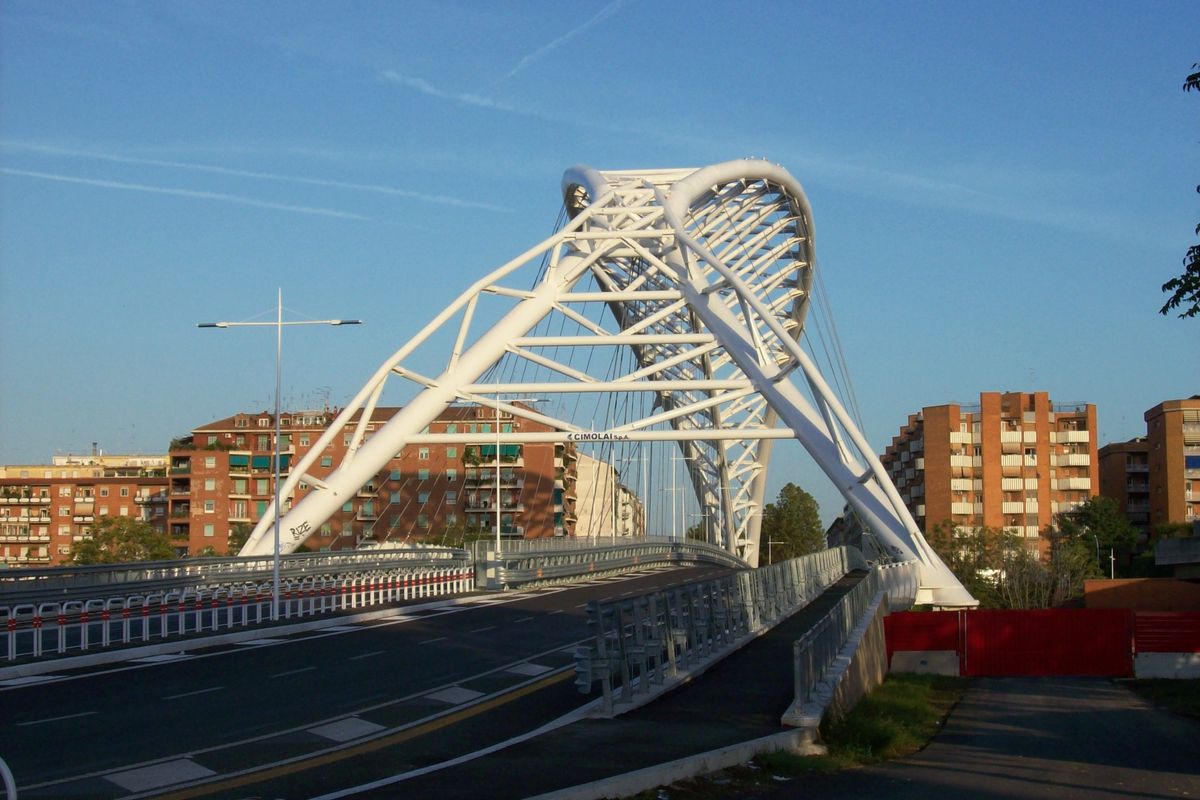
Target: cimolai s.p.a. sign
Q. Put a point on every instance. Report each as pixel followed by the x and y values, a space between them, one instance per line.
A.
pixel 597 436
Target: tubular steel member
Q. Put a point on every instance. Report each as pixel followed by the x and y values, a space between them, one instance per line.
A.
pixel 707 275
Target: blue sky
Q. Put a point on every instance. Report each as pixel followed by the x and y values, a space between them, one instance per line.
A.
pixel 999 189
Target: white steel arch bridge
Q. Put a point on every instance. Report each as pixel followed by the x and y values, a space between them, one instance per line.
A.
pixel 669 307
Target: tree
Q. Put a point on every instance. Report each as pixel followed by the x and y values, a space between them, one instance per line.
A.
pixel 115 540
pixel 977 557
pixel 238 535
pixel 1098 526
pixel 1185 289
pixel 794 520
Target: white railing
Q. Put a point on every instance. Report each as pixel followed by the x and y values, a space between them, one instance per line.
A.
pixel 34 631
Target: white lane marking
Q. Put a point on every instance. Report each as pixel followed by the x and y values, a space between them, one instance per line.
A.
pixel 455 695
pixel 158 775
pixel 343 730
pixel 161 659
pixel 371 654
pixel 528 669
pixel 522 619
pixel 29 679
pixel 484 628
pixel 55 719
pixel 291 672
pixel 431 641
pixel 560 611
pixel 209 690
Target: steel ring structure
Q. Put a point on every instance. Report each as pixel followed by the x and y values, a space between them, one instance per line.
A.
pixel 705 276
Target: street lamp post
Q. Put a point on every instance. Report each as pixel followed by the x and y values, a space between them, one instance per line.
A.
pixel 278 325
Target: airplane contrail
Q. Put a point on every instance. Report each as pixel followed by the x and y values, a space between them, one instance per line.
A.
pixel 220 196
pixel 242 173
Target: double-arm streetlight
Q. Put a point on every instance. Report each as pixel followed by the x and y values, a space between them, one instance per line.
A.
pixel 278 324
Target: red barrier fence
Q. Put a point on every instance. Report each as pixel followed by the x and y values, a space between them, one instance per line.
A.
pixel 1041 642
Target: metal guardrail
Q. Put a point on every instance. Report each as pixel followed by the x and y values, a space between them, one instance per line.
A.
pixel 90 581
pixel 544 561
pixel 35 631
pixel 642 644
pixel 814 652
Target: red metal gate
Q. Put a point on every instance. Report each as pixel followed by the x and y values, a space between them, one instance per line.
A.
pixel 1056 641
pixel 1061 641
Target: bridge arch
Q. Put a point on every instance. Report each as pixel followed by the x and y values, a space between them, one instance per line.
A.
pixel 702 280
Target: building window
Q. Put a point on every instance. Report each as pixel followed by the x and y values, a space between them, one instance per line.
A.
pixel 64 512
pixel 395 498
pixel 452 475
pixel 347 507
pixel 210 506
pixel 264 423
pixel 452 427
pixel 326 461
pixel 264 443
pixel 451 519
pixel 124 491
pixel 451 452
pixel 422 521
pixel 423 474
pixel 210 484
pixel 396 475
pixel 422 497
pixel 262 486
pixel 210 529
pixel 124 511
pixel 210 462
pixel 104 491
pixel 212 438
pixel 423 454
pixel 64 491
pixel 239 485
pixel 451 498
pixel 304 440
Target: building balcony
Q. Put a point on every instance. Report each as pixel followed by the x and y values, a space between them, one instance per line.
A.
pixel 1141 468
pixel 83 518
pixel 142 499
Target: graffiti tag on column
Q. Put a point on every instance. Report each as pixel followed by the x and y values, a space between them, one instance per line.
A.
pixel 300 531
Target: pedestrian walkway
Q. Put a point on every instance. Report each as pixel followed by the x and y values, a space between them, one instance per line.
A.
pixel 1019 738
pixel 738 700
pixel 1008 738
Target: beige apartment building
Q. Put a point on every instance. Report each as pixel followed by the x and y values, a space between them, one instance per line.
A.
pixel 1012 461
pixel 1156 478
pixel 46 508
pixel 221 478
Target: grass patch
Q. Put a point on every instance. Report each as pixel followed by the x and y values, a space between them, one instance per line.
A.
pixel 898 718
pixel 1180 696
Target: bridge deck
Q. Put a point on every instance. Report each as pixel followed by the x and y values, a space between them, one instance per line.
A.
pixel 737 700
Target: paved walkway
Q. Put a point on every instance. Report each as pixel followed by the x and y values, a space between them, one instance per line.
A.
pixel 1035 738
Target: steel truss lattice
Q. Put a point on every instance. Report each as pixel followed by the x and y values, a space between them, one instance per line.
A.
pixel 707 276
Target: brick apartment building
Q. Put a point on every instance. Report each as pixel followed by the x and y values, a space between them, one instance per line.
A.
pixel 220 477
pixel 46 508
pixel 1156 478
pixel 1012 461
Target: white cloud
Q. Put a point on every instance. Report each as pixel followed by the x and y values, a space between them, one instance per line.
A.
pixel 426 88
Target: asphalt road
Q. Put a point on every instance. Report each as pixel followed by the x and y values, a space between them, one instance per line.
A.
pixel 142 728
pixel 1018 738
